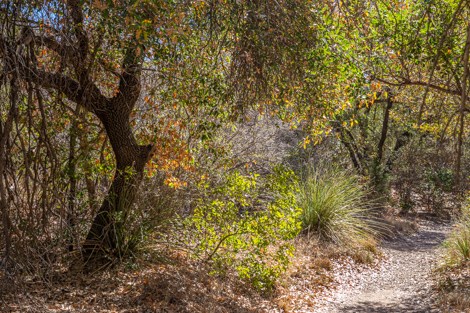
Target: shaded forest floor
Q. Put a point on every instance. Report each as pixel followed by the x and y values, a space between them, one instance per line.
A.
pixel 400 280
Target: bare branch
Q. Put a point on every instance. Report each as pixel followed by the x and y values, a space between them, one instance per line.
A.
pixel 407 82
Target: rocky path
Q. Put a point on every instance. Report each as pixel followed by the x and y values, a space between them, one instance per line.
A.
pixel 401 283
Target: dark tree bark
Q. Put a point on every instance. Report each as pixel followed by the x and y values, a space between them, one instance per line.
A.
pixel 130 162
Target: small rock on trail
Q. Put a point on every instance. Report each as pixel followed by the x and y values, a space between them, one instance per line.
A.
pixel 401 283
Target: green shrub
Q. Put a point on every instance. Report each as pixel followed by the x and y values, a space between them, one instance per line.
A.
pixel 441 178
pixel 379 179
pixel 335 207
pixel 245 223
pixel 458 242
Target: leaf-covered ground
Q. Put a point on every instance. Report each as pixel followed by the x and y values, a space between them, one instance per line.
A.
pixel 176 285
pixel 401 280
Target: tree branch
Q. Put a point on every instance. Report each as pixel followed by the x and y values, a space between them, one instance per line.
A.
pixel 407 82
pixel 129 83
pixel 64 51
pixel 76 14
pixel 88 96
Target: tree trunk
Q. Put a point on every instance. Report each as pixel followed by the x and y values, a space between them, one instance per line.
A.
pixel 354 154
pixel 462 112
pixel 383 135
pixel 105 236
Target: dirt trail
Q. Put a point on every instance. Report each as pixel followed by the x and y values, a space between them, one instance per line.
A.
pixel 401 283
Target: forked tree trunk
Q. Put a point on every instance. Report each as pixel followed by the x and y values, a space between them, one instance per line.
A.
pixel 104 235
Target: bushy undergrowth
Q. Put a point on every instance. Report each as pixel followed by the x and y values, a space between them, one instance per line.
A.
pixel 458 242
pixel 335 207
pixel 246 223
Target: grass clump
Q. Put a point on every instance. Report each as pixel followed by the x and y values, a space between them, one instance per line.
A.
pixel 454 281
pixel 335 207
pixel 458 242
